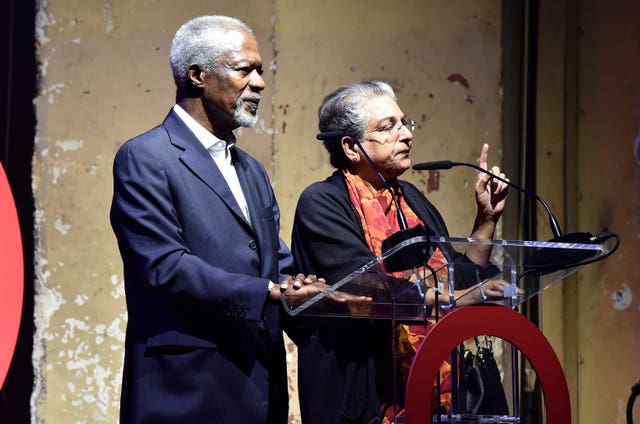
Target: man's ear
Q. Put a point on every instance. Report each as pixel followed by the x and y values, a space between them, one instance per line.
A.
pixel 195 75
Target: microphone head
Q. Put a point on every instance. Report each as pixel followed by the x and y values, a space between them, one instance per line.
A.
pixel 328 135
pixel 410 256
pixel 432 166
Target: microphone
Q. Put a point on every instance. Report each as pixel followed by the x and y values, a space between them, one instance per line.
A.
pixel 546 259
pixel 447 164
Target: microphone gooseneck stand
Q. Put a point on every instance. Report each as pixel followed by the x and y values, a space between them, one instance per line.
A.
pixel 544 260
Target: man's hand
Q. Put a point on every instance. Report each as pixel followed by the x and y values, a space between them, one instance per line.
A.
pixel 296 283
pixel 301 288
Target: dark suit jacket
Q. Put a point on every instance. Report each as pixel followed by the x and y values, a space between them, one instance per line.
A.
pixel 203 344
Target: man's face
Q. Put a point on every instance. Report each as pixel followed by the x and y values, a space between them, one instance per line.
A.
pixel 232 94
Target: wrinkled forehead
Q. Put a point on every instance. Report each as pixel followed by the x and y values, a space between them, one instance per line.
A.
pixel 234 39
pixel 242 47
pixel 382 106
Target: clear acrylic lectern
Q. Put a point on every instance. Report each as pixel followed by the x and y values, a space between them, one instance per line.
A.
pixel 392 287
pixel 528 266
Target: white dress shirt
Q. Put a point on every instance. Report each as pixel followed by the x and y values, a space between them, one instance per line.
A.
pixel 220 151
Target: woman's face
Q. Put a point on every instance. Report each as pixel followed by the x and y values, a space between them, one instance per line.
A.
pixel 387 139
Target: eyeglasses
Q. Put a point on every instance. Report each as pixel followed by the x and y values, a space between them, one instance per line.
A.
pixel 391 129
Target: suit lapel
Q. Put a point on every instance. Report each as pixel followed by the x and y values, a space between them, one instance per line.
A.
pixel 196 158
pixel 249 190
pixel 263 237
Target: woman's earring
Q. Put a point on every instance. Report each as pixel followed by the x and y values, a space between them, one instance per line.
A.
pixel 354 159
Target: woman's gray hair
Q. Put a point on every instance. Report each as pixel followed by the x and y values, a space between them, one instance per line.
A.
pixel 205 41
pixel 342 113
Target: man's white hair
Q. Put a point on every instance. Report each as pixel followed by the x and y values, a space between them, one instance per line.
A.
pixel 204 41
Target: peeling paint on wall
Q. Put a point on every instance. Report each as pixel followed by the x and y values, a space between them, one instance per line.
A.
pixel 69 145
pixel 43 21
pixel 433 183
pixel 459 79
pixel 109 17
pixel 118 288
pixel 621 298
pixel 62 226
pixel 260 128
pixel 48 300
pixel 57 172
pixel 54 90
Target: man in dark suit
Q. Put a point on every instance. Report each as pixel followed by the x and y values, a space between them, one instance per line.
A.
pixel 197 226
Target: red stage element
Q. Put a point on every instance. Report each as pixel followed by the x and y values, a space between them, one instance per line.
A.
pixel 499 321
pixel 11 275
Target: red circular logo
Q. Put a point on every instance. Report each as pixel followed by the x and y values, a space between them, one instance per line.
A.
pixel 11 275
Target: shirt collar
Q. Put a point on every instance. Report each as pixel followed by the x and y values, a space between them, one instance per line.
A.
pixel 208 140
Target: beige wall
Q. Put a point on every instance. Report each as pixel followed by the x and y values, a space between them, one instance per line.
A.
pixel 588 169
pixel 417 46
pixel 608 198
pixel 104 77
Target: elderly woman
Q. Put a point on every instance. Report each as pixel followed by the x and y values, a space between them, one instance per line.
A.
pixel 340 224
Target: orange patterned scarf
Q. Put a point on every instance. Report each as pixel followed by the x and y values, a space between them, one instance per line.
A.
pixel 377 212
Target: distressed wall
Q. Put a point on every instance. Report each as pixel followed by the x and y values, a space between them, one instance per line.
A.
pixel 104 77
pixel 588 169
pixel 608 198
pixel 443 61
